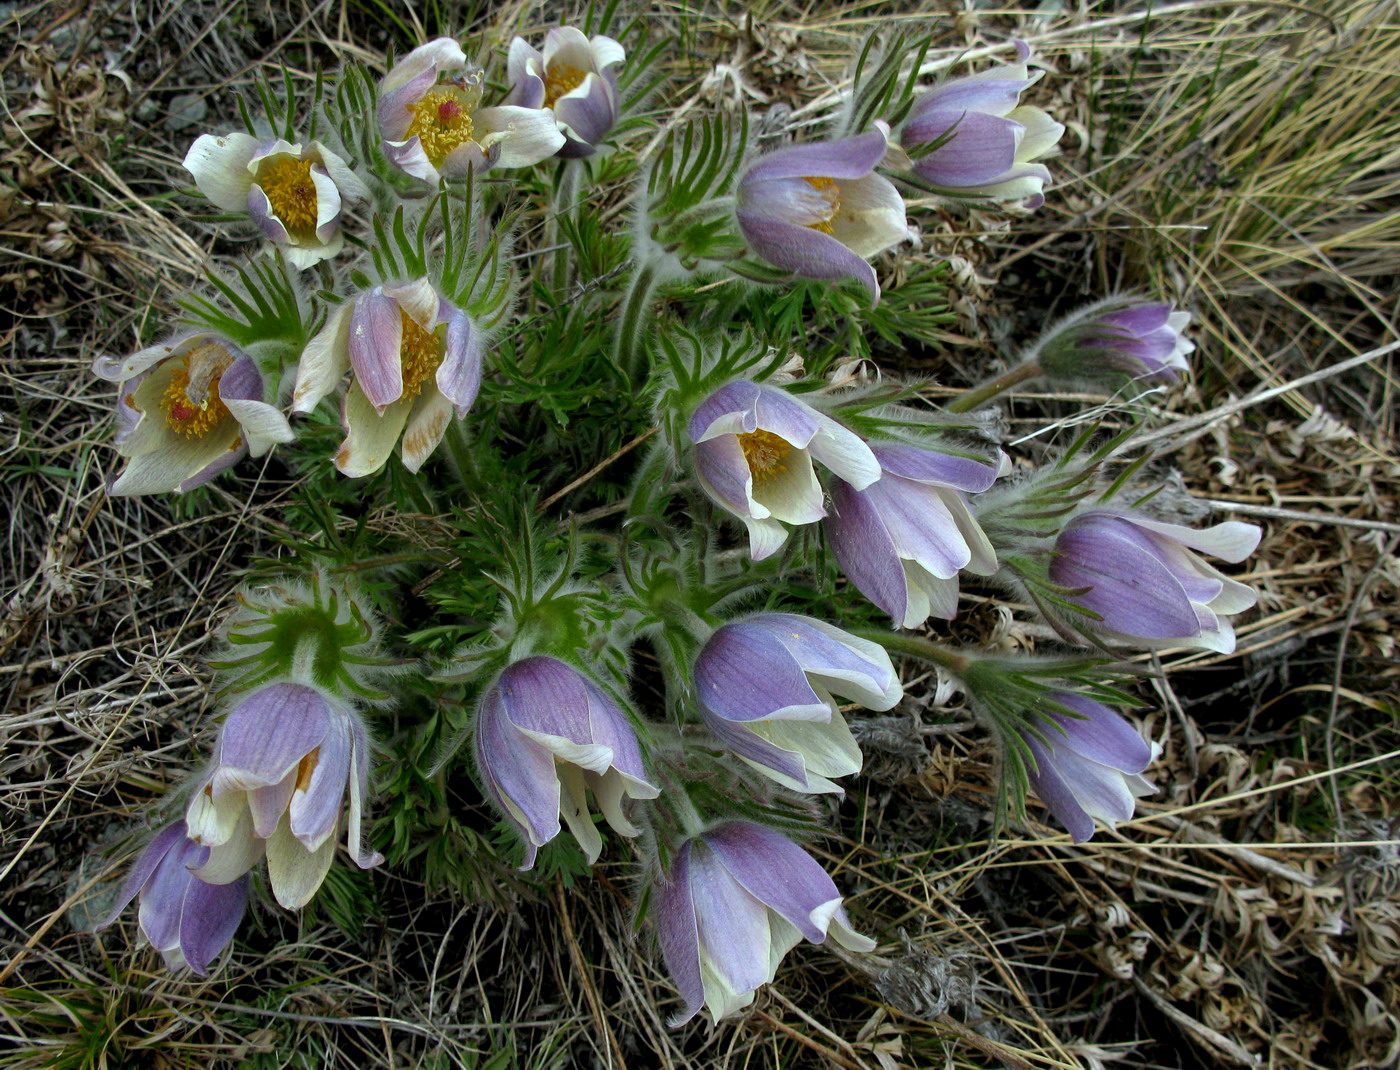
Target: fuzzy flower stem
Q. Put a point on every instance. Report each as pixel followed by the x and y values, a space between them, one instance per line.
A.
pixel 630 325
pixel 566 200
pixel 981 395
pixel 917 647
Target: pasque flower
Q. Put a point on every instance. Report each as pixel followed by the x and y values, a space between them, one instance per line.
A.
pixel 737 899
pixel 764 684
pixel 754 447
pixel 416 359
pixel 545 734
pixel 188 921
pixel 434 128
pixel 574 77
pixel 1144 582
pixel 286 757
pixel 1119 337
pixel 990 140
pixel 1089 767
pixel 903 539
pixel 820 211
pixel 295 193
pixel 187 409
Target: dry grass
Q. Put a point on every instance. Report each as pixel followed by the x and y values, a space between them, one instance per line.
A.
pixel 1241 156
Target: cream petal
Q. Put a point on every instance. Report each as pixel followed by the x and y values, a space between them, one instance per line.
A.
pixel 418 299
pixel 324 360
pixel 302 257
pixel 235 856
pixel 525 135
pixel 219 165
pixel 294 872
pixel 573 805
pixel 871 218
pixel 432 412
pixel 351 187
pixel 369 437
pixel 263 425
pixel 327 205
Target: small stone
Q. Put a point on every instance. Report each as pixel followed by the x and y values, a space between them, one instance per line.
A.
pixel 186 110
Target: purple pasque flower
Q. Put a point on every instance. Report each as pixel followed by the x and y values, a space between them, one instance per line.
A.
pixel 545 734
pixel 737 899
pixel 296 194
pixel 417 361
pixel 187 409
pixel 764 685
pixel 1118 337
pixel 903 539
pixel 575 78
pixel 434 128
pixel 1146 585
pixel 286 757
pixel 1090 766
pixel 188 921
pixel 820 211
pixel 754 447
pixel 991 141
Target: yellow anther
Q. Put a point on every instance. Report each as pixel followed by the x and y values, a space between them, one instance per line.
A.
pixel 191 402
pixel 828 188
pixel 442 120
pixel 560 79
pixel 306 767
pixel 421 352
pixel 764 452
pixel 291 192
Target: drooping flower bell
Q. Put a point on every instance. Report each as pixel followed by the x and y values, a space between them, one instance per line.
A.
pixel 737 899
pixel 187 409
pixel 296 194
pixel 990 140
pixel 903 539
pixel 1089 767
pixel 575 78
pixel 434 128
pixel 1146 585
pixel 754 447
pixel 188 921
pixel 764 685
pixel 286 758
pixel 417 361
pixel 545 735
pixel 1142 340
pixel 820 211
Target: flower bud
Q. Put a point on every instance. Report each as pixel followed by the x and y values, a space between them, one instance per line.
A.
pixel 988 142
pixel 1146 586
pixel 820 211
pixel 737 899
pixel 545 734
pixel 1089 768
pixel 764 685
pixel 903 539
pixel 1117 338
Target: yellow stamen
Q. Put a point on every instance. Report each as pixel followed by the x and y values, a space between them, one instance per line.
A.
pixel 764 451
pixel 560 79
pixel 828 188
pixel 291 192
pixel 442 120
pixel 191 402
pixel 306 767
pixel 421 352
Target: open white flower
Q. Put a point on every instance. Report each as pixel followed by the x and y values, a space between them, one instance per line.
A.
pixel 416 359
pixel 295 193
pixel 434 129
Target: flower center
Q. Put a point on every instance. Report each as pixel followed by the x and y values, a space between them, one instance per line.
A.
pixel 559 79
pixel 442 120
pixel 765 453
pixel 421 353
pixel 305 768
pixel 290 191
pixel 831 192
pixel 191 402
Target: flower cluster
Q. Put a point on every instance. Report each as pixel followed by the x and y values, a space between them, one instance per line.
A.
pixel 645 673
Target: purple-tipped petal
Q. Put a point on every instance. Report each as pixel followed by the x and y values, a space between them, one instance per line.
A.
pixel 849 666
pixel 679 937
pixel 459 375
pixel 989 96
pixel 320 785
pixel 776 872
pixel 210 917
pixel 982 148
pixel 745 673
pixel 732 925
pixel 865 551
pixel 851 157
pixel 806 252
pixel 1104 736
pixel 376 342
pixel 740 740
pixel 142 869
pixel 268 733
pixel 519 774
pixel 1052 790
pixel 1128 587
pixel 970 474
